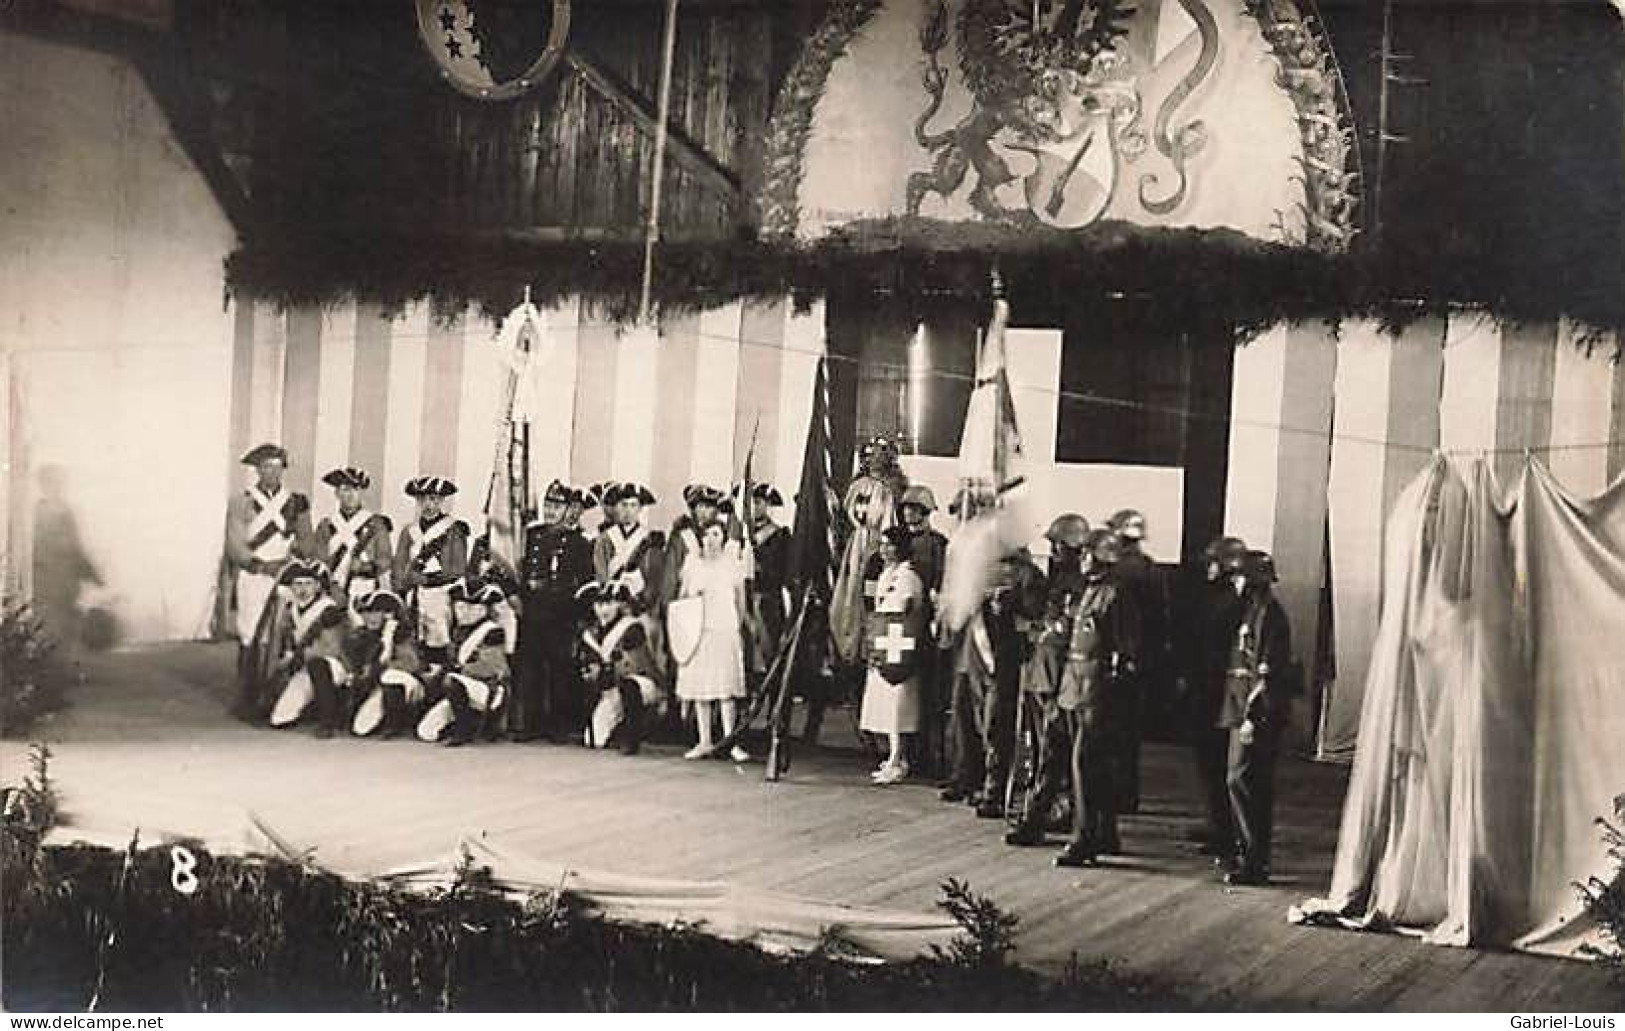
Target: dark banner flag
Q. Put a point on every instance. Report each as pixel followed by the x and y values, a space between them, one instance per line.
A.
pixel 812 545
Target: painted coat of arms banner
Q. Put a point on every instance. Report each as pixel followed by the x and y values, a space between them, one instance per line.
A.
pixel 1061 114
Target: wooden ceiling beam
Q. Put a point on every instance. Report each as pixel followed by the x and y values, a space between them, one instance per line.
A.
pixel 695 158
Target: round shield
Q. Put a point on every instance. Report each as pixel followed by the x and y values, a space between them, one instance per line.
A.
pixel 494 49
pixel 685 623
pixel 895 642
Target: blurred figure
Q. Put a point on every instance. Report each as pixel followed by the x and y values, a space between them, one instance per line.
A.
pixel 62 568
pixel 1139 576
pixel 431 554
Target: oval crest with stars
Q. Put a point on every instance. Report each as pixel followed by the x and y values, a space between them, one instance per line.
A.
pixel 494 49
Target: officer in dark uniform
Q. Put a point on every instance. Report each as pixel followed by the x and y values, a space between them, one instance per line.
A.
pixel 556 562
pixel 1259 685
pixel 1211 614
pixel 1140 576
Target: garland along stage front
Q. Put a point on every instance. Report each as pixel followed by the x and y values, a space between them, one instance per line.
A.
pixel 1202 153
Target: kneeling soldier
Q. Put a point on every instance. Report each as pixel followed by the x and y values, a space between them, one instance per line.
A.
pixel 387 665
pixel 312 651
pixel 617 667
pixel 469 692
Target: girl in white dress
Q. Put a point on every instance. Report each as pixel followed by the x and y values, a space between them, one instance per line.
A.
pixel 714 676
pixel 892 709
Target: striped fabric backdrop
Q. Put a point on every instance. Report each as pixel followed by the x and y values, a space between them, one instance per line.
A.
pixel 405 395
pixel 1326 433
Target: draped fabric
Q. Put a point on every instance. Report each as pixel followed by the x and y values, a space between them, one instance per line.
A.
pixel 1492 735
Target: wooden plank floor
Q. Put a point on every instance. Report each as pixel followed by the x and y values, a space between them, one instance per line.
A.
pixel 147 743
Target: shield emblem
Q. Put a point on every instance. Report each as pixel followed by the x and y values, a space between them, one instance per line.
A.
pixel 494 51
pixel 895 641
pixel 685 622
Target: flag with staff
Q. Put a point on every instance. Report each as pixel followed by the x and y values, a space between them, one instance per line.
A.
pixel 992 515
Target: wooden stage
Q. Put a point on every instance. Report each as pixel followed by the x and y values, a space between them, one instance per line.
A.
pixel 148 743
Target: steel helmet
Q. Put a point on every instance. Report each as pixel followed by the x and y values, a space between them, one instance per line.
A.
pixel 1104 546
pixel 1070 530
pixel 1129 524
pixel 918 494
pixel 1259 567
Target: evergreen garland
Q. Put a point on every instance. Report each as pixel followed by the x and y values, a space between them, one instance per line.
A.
pixel 1195 276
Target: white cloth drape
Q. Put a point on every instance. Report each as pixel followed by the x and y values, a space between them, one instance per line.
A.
pixel 1492 734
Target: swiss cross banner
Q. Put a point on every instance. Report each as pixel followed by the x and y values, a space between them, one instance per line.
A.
pixel 895 642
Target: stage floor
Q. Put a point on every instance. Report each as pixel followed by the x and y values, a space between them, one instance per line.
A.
pixel 148 743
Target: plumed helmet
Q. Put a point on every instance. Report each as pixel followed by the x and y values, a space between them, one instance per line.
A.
pixel 1104 546
pixel 878 445
pixel 1070 530
pixel 918 494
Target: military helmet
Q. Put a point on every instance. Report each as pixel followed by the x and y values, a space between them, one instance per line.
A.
pixel 1259 567
pixel 1129 523
pixel 1070 530
pixel 918 494
pixel 1104 546
pixel 1219 548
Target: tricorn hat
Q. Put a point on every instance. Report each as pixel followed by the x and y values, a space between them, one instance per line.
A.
pixel 348 476
pixel 701 494
pixel 265 453
pixel 387 602
pixel 616 493
pixel 430 487
pixel 560 493
pixel 614 590
pixel 304 569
